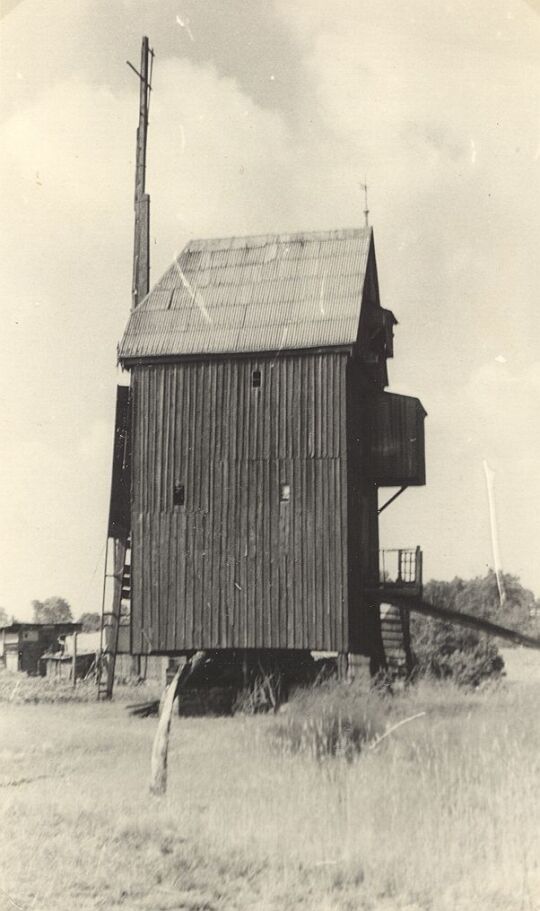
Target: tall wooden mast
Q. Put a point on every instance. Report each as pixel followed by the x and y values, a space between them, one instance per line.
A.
pixel 116 604
pixel 141 247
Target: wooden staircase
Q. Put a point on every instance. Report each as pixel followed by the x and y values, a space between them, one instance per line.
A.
pixel 400 580
pixel 396 641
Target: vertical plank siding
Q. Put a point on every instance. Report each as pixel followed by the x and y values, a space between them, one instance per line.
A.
pixel 398 447
pixel 234 567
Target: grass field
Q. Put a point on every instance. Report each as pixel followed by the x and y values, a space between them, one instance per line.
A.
pixel 443 814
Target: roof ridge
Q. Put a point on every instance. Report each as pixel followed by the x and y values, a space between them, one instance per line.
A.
pixel 237 241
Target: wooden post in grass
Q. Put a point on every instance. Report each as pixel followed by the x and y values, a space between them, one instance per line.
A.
pixel 158 766
pixel 342 667
pixel 74 659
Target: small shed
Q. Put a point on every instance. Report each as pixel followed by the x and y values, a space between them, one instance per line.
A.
pixel 82 648
pixel 22 645
pixel 252 444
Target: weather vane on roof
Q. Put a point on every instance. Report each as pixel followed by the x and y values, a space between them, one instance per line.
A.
pixel 366 210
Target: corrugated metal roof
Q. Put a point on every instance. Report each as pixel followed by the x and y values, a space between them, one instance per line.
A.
pixel 248 294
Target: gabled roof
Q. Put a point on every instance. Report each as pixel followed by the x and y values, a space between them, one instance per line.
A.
pixel 249 294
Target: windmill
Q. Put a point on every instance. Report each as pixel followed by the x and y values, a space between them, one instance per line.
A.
pixel 250 448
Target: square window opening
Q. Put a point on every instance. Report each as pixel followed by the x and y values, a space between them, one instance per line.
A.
pixel 285 493
pixel 256 379
pixel 179 494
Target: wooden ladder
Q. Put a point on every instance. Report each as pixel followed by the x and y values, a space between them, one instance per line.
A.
pixel 111 618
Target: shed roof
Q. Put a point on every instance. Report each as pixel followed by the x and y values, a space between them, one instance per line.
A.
pixel 65 626
pixel 248 294
pixel 87 644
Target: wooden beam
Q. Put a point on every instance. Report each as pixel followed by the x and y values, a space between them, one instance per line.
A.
pixel 468 620
pixel 392 498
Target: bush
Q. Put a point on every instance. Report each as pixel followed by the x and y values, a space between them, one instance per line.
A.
pixel 448 652
pixel 327 720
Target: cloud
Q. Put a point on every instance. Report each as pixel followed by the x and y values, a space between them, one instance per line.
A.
pixel 216 159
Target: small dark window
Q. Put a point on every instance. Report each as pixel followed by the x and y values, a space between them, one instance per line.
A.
pixel 285 493
pixel 256 379
pixel 179 496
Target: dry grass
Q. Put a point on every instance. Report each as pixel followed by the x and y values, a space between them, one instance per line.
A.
pixel 441 815
pixel 19 688
pixel 330 720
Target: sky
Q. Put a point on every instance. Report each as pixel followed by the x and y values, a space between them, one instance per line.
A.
pixel 267 116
